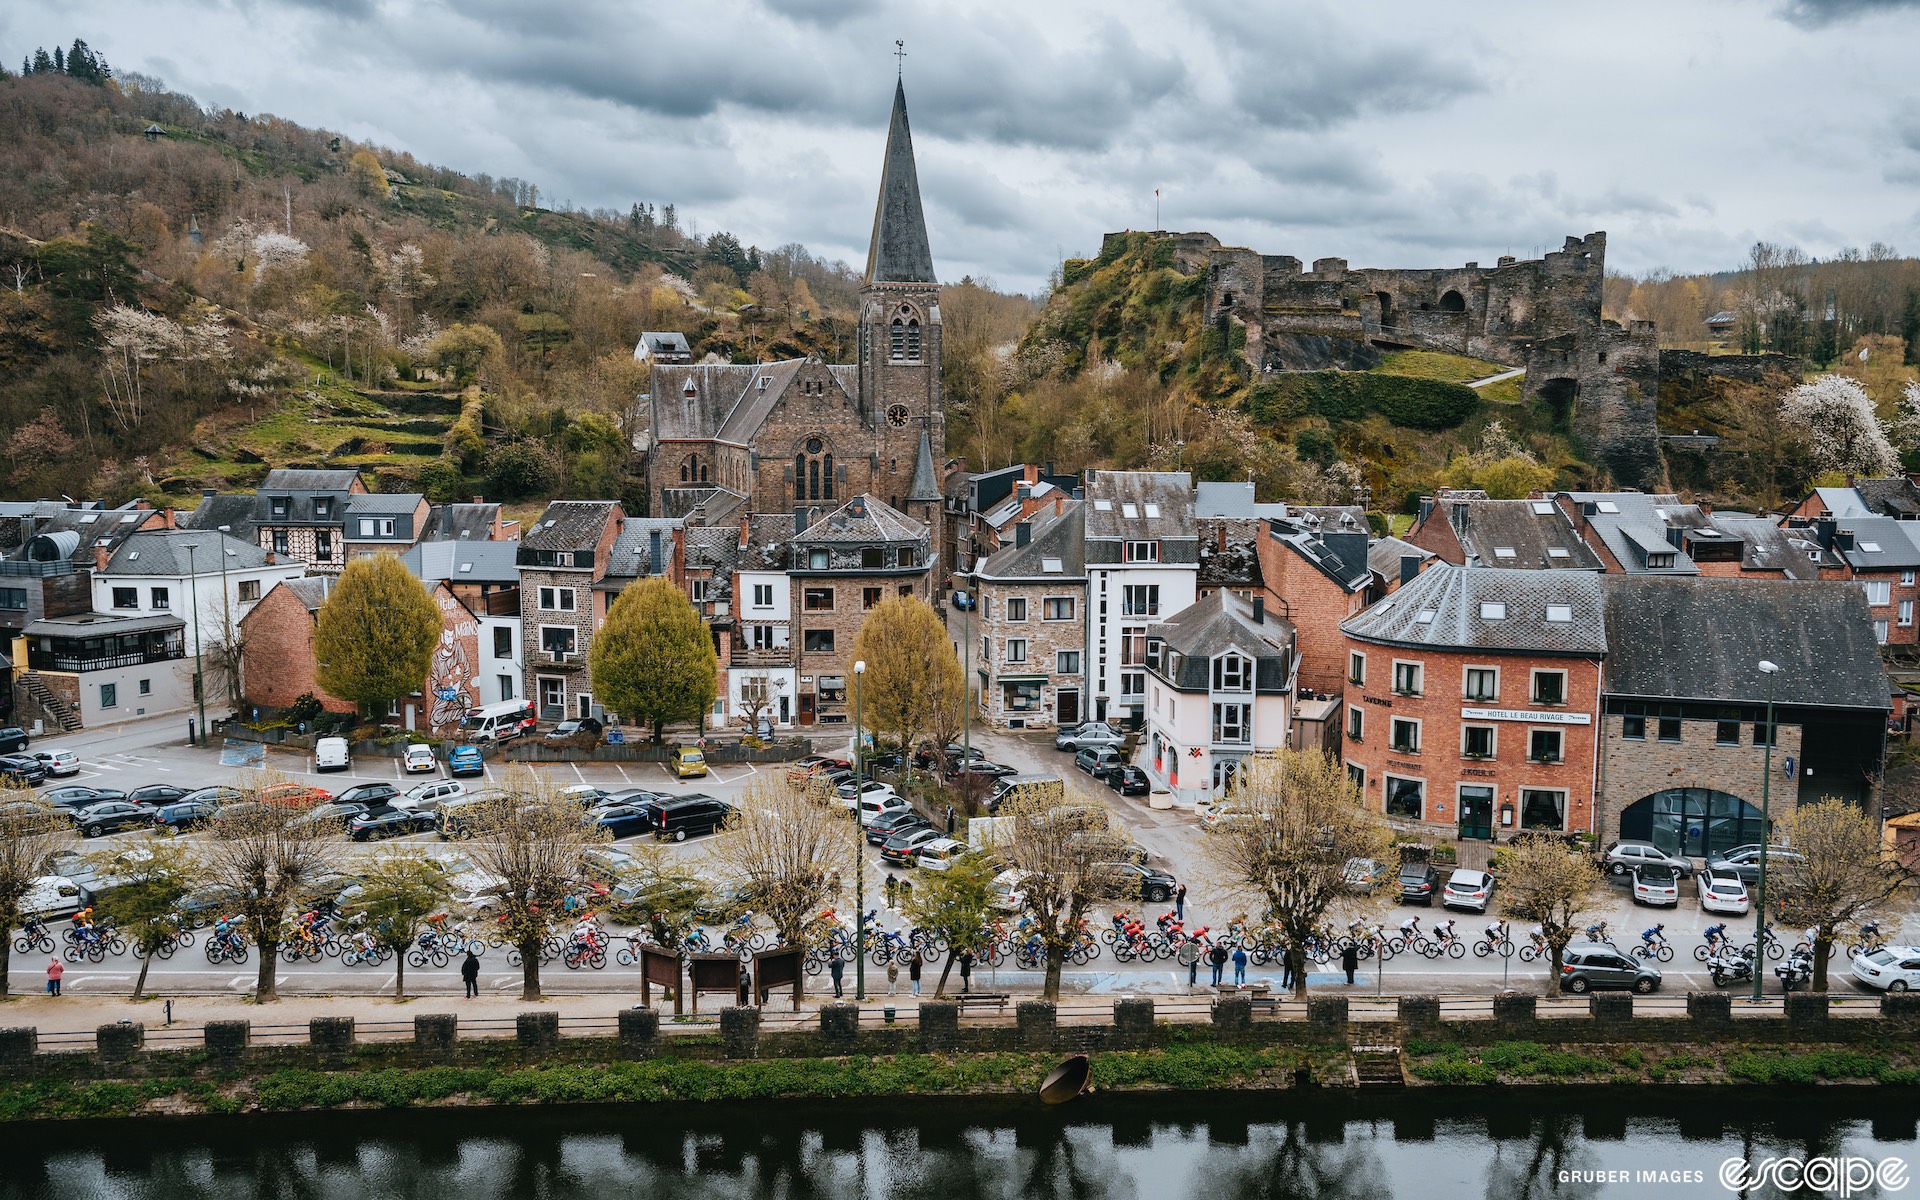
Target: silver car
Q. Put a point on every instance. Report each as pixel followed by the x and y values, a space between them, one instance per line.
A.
pixel 1094 735
pixel 1622 857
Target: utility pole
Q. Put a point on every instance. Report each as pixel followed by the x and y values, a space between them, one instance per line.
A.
pixel 859 848
pixel 199 676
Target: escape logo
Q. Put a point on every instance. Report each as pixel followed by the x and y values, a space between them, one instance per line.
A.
pixel 1833 1176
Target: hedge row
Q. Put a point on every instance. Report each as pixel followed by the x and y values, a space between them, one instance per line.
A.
pixel 1350 395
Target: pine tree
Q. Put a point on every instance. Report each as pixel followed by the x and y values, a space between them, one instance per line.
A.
pixel 653 662
pixel 42 61
pixel 374 637
pixel 59 62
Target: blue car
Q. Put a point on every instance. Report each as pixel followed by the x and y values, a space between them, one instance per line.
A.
pixel 465 760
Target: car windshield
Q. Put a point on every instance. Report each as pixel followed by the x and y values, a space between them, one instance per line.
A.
pixel 1879 957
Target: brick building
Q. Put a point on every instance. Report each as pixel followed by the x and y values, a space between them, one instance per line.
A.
pixel 842 565
pixel 567 552
pixel 1467 529
pixel 1316 574
pixel 1031 616
pixel 277 659
pixel 1472 696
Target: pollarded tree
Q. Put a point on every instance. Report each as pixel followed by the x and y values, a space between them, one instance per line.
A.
pixel 1545 882
pixel 912 672
pixel 787 852
pixel 374 637
pixel 1061 873
pixel 1838 878
pixel 1295 821
pixel 155 877
pixel 399 892
pixel 264 858
pixel 653 662
pixel 1837 420
pixel 31 831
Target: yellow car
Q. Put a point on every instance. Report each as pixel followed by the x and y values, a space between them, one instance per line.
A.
pixel 687 762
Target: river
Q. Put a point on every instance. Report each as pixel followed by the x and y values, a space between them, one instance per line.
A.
pixel 1433 1145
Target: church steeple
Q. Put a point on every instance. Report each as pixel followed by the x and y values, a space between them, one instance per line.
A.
pixel 899 252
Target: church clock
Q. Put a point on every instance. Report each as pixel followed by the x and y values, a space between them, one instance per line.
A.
pixel 897 416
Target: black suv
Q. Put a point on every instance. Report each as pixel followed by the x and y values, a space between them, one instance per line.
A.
pixel 680 819
pixel 23 768
pixel 112 817
pixel 1418 882
pixel 368 795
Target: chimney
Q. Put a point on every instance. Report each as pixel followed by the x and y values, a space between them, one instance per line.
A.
pixel 1259 608
pixel 1059 504
pixel 653 554
pixel 479 499
pixel 271 558
pixel 1843 540
pixel 1824 529
pixel 1673 536
pixel 1409 567
pixel 99 557
pixel 208 492
pixel 1426 508
pixel 1023 533
pixel 1220 538
pixel 746 531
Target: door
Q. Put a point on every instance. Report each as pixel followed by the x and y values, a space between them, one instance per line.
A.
pixel 1476 813
pixel 1067 708
pixel 806 708
pixel 586 706
pixel 553 698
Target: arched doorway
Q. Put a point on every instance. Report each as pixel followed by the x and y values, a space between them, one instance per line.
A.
pixel 1453 302
pixel 1699 822
pixel 1386 309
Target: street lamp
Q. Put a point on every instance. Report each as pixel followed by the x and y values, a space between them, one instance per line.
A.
pixel 859 850
pixel 966 676
pixel 199 679
pixel 1770 670
pixel 226 620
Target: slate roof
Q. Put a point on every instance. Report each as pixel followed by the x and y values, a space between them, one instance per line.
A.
pixel 1223 499
pixel 290 479
pixel 899 252
pixel 311 592
pixel 164 553
pixel 864 519
pixel 570 525
pixel 728 402
pixel 632 552
pixel 1237 564
pixel 1219 623
pixel 1842 502
pixel 84 625
pixel 1880 544
pixel 1443 608
pixel 1057 538
pixel 237 512
pixel 76 531
pixel 464 561
pixel 383 504
pixel 1702 639
pixel 460 522
pixel 1770 547
pixel 769 539
pixel 1633 525
pixel 1895 497
pixel 1525 534
pixel 925 485
pixel 665 343
pixel 1339 553
pixel 1384 555
pixel 1162 506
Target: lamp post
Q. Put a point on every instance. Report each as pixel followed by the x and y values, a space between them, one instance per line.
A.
pixel 226 621
pixel 859 850
pixel 1766 835
pixel 199 679
pixel 966 677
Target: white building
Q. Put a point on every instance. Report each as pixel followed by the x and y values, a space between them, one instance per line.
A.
pixel 1142 563
pixel 761 672
pixel 208 579
pixel 1219 690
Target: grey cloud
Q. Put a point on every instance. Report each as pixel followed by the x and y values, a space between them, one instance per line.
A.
pixel 827 14
pixel 1815 14
pixel 1906 127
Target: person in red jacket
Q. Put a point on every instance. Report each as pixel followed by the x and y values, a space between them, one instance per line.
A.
pixel 55 969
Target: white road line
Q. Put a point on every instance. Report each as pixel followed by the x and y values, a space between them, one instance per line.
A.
pixel 105 767
pixel 623 772
pixel 577 772
pixel 240 981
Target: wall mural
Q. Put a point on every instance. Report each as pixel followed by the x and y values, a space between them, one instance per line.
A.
pixel 453 681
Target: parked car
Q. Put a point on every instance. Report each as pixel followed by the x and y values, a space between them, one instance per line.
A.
pixel 111 817
pixel 899 821
pixel 419 757
pixel 1097 761
pixel 1129 780
pixel 1587 966
pixel 586 795
pixel 1744 861
pixel 625 820
pixel 1136 881
pixel 1723 892
pixel 429 796
pixel 1621 858
pixel 79 795
pixel 803 769
pixel 1418 881
pixel 687 762
pixel 1657 884
pixel 1093 734
pixel 962 601
pixel 387 821
pixel 1890 968
pixel 331 754
pixel 904 848
pixel 573 726
pixel 465 760
pixel 868 787
pixel 153 795
pixel 369 795
pixel 979 769
pixel 1365 874
pixel 941 853
pixel 1468 889
pixel 926 757
pixel 683 818
pixel 23 768
pixel 337 812
pixel 51 897
pixel 296 795
pixel 59 762
pixel 873 806
pixel 215 796
pixel 185 815
pixel 13 740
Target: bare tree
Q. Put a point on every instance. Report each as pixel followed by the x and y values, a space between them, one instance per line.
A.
pixel 154 878
pixel 786 851
pixel 1548 883
pixel 758 692
pixel 265 857
pixel 31 832
pixel 1838 878
pixel 1059 868
pixel 1296 821
pixel 533 840
pixel 400 893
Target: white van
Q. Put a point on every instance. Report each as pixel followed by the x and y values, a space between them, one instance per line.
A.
pixel 497 722
pixel 331 754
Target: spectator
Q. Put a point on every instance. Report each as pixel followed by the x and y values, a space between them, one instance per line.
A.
pixel 892 886
pixel 470 974
pixel 1286 967
pixel 1350 962
pixel 966 971
pixel 835 966
pixel 913 972
pixel 746 986
pixel 950 821
pixel 1193 971
pixel 1218 957
pixel 1239 966
pixel 55 969
pixel 893 976
pixel 1180 903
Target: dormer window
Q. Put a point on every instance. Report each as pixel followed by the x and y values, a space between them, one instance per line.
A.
pixel 1142 552
pixel 323 507
pixel 1232 673
pixel 279 506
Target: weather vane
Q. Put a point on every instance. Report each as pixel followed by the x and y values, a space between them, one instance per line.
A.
pixel 899 57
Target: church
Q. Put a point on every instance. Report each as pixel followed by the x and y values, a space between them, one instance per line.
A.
pixel 733 440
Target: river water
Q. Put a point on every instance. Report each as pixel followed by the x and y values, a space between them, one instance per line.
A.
pixel 1430 1145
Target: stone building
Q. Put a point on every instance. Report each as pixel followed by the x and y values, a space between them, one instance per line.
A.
pixel 1220 685
pixel 841 565
pixel 800 432
pixel 1472 697
pixel 1030 660
pixel 567 552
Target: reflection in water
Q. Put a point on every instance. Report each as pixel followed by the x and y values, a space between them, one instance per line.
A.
pixel 1510 1146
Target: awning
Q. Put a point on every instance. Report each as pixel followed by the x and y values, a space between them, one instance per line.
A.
pixel 100 625
pixel 1021 679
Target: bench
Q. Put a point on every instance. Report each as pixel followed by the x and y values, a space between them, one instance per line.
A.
pixel 1265 1003
pixel 984 1000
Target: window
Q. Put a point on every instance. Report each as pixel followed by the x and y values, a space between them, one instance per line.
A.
pixel 280 541
pixel 146 687
pixel 1133 646
pixel 1879 592
pixel 1232 673
pixel 1763 733
pixel 813 471
pixel 249 590
pixel 503 642
pixel 904 556
pixel 1549 687
pixel 817 599
pixel 1726 732
pixel 323 545
pixel 558 639
pixel 904 343
pixel 870 597
pixel 1541 808
pixel 1906 579
pixel 1476 741
pixel 1133 683
pixel 1669 728
pixel 986 648
pixel 367 526
pixel 1016 608
pixel 818 641
pixel 818 560
pixel 1356 723
pixel 1543 745
pixel 906 589
pixel 1906 612
pixel 697 590
pixel 1140 600
pixel 1225 771
pixel 1493 610
pixel 872 558
pixel 1406 679
pixel 1880 632
pixel 767 637
pixel 1142 552
pixel 1358 774
pixel 1405 738
pixel 763 595
pixel 1560 614
pixel 126 597
pixel 1406 798
pixel 1016 651
pixel 1633 728
pixel 1356 669
pixel 279 505
pixel 1057 608
pixel 13 599
pixel 1483 683
pixel 1231 723
pixel 556 599
pixel 109 695
pixel 1066 662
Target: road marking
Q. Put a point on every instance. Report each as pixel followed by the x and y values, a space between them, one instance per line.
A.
pixel 623 772
pixel 240 981
pixel 105 767
pixel 577 773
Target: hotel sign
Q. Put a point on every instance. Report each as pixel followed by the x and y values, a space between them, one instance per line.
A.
pixel 1526 714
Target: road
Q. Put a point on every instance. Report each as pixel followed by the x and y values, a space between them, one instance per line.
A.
pixel 155 751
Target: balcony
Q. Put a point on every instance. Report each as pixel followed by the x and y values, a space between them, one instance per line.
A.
pixel 564 660
pixel 73 660
pixel 766 656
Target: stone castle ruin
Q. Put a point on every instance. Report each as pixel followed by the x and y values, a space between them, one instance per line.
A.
pixel 1601 380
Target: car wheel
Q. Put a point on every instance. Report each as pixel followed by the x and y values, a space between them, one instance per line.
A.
pixel 94 831
pixel 679 835
pixel 1898 985
pixel 1157 896
pixel 1616 868
pixel 1578 985
pixel 1643 986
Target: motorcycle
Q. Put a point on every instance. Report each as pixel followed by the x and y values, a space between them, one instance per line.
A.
pixel 1797 970
pixel 1730 967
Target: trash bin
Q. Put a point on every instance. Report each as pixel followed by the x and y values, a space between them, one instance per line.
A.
pixel 1160 797
pixel 886 1014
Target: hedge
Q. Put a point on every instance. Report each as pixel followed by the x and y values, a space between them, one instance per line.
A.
pixel 1428 404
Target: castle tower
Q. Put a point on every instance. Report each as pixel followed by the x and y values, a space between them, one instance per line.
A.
pixel 899 346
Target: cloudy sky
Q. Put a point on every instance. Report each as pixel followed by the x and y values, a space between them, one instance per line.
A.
pixel 1388 133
